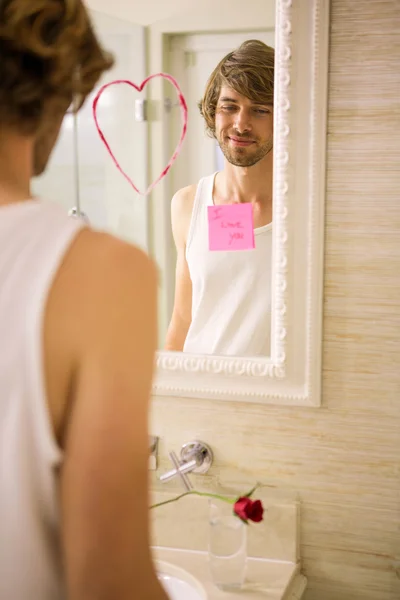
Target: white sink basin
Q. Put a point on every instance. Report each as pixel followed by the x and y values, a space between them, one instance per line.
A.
pixel 178 583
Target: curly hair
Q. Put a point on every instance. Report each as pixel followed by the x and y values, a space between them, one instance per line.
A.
pixel 49 56
pixel 249 70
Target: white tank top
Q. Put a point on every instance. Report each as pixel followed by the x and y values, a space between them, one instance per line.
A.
pixel 231 291
pixel 34 237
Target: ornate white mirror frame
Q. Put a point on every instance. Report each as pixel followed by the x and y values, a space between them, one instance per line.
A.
pixel 292 374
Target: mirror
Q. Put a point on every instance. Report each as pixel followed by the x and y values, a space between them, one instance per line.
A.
pixel 81 174
pixel 237 321
pixel 240 321
pixel 222 224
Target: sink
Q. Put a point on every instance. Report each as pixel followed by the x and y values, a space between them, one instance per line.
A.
pixel 178 583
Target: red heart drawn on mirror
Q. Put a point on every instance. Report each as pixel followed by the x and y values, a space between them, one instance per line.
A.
pixel 139 88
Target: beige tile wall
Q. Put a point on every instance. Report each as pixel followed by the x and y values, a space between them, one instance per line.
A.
pixel 343 459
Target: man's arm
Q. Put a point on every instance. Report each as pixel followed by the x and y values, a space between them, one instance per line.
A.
pixel 104 478
pixel 181 212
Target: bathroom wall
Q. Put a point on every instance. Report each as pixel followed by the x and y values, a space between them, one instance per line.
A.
pixel 344 458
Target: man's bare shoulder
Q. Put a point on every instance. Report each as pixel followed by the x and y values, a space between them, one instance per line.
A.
pixel 104 267
pixel 104 290
pixel 181 213
pixel 113 253
pixel 183 200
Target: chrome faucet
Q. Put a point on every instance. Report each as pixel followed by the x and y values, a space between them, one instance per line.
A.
pixel 195 457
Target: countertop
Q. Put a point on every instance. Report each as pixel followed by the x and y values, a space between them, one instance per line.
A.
pixel 265 580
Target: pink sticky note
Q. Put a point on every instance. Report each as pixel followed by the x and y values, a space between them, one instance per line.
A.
pixel 230 227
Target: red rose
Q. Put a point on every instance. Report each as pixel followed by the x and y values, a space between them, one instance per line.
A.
pixel 249 510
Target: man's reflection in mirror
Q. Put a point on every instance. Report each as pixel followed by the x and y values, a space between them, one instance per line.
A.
pixel 222 298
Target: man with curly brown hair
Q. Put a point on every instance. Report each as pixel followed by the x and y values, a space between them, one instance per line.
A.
pixel 77 343
pixel 222 299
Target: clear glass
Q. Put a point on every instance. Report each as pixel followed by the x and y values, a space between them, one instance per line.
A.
pixel 227 548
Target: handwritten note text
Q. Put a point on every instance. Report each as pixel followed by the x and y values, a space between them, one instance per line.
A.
pixel 230 227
